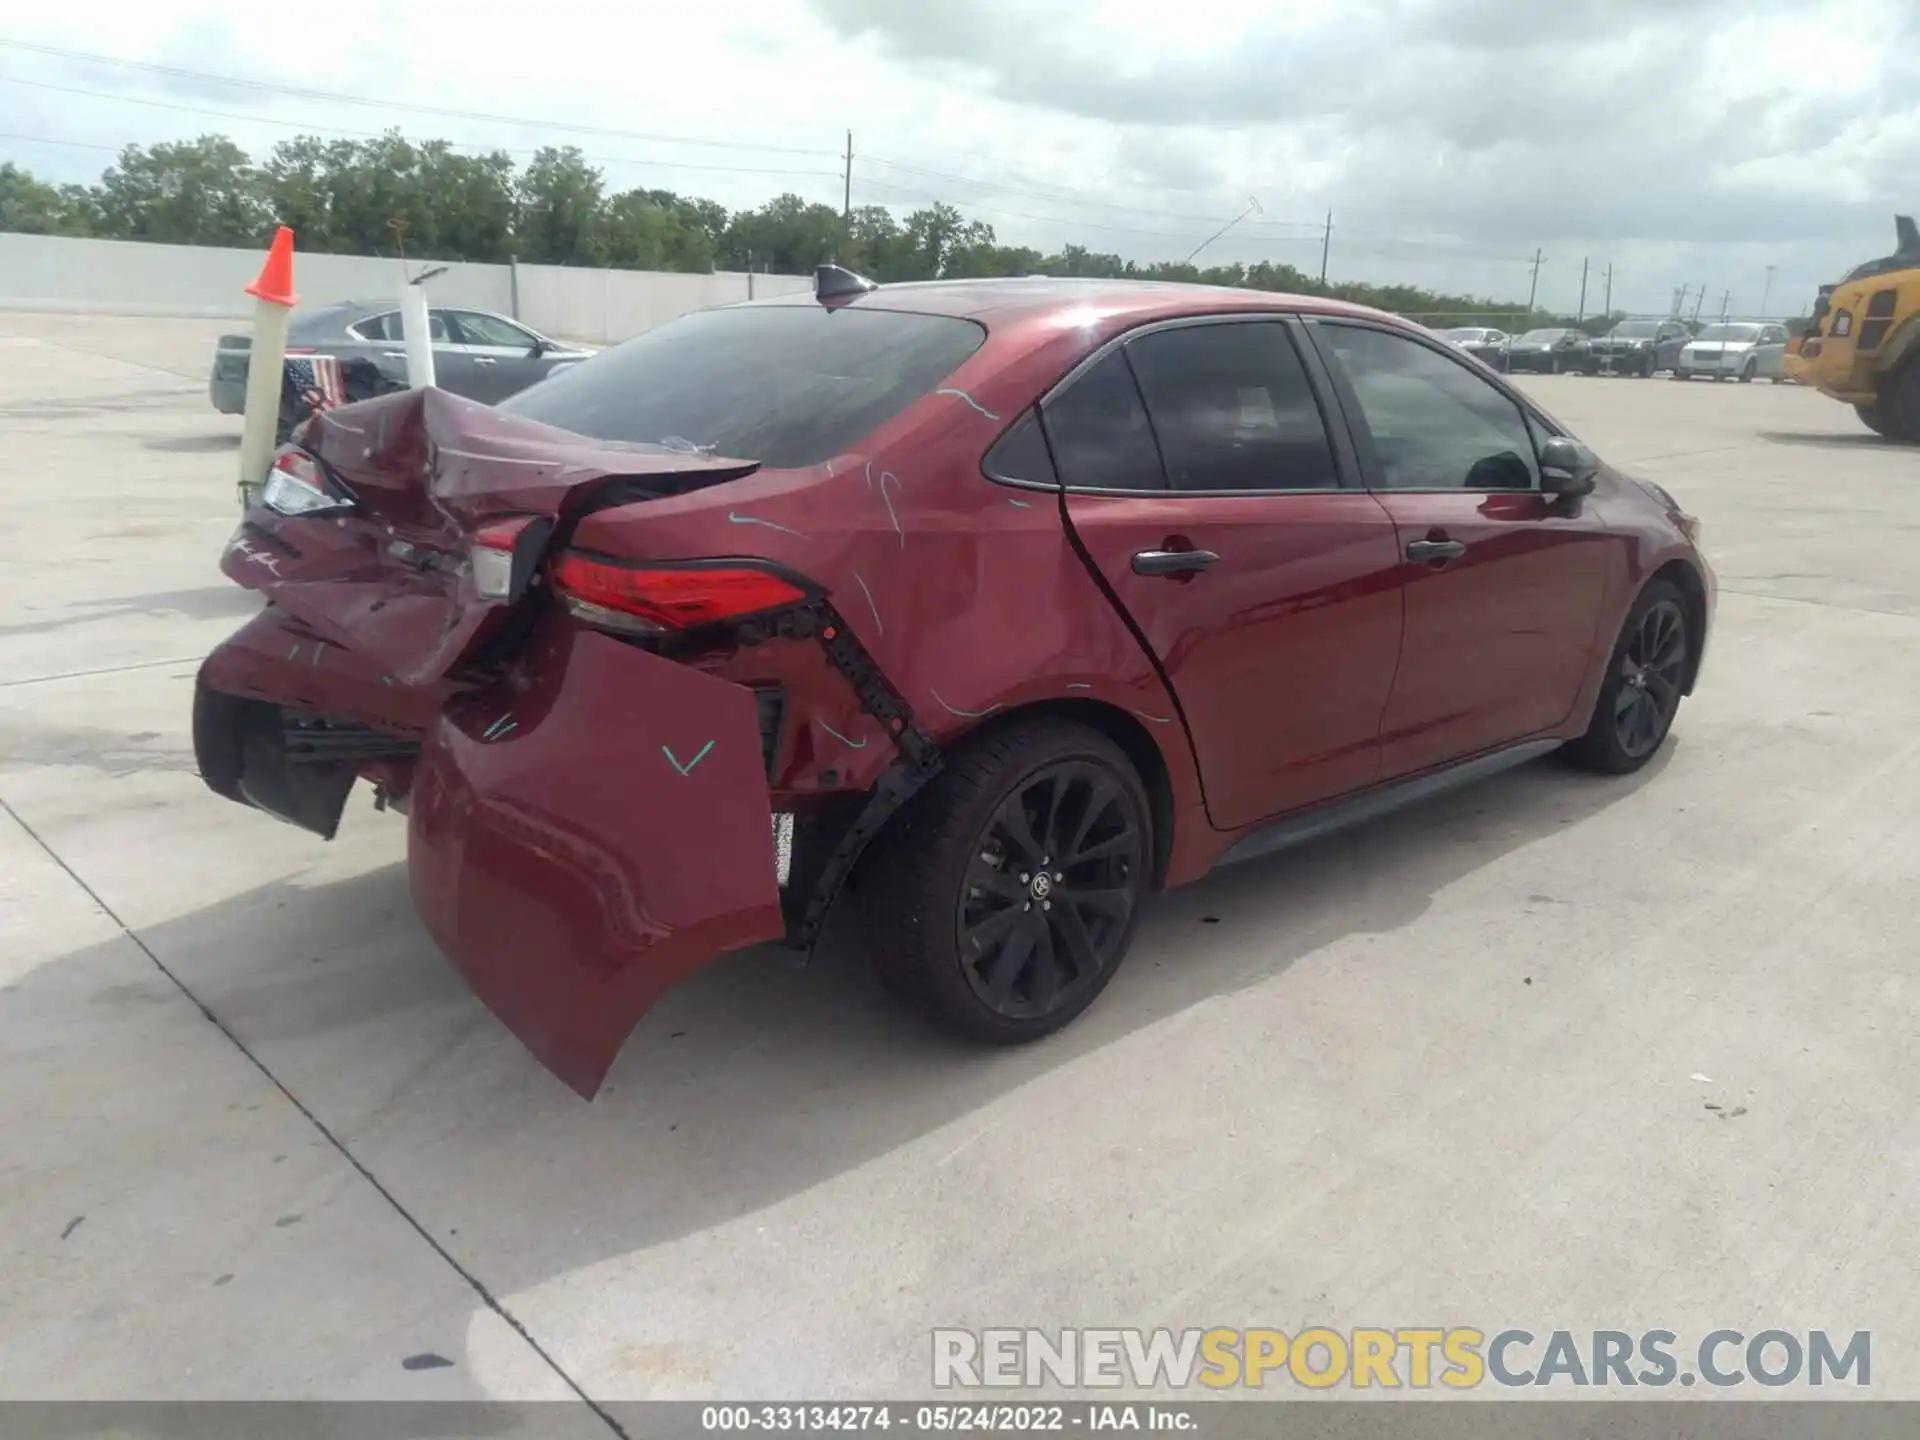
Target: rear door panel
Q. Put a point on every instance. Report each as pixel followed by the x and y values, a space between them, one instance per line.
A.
pixel 1282 654
pixel 1281 651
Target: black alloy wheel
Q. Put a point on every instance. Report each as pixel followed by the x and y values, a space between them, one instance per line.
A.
pixel 1002 898
pixel 1047 902
pixel 1652 670
pixel 1644 683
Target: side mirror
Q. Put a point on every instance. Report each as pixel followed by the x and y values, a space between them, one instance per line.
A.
pixel 1567 468
pixel 541 345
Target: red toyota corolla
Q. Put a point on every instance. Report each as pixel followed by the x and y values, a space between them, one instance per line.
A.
pixel 1023 597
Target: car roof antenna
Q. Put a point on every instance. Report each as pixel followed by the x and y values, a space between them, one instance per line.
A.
pixel 832 282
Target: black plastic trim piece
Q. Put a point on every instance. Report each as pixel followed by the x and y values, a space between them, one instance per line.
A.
pixel 1305 825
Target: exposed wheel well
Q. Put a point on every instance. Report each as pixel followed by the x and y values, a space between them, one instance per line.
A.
pixel 1134 741
pixel 1687 580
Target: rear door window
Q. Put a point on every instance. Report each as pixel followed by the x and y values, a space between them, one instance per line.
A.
pixel 1099 431
pixel 787 385
pixel 1232 408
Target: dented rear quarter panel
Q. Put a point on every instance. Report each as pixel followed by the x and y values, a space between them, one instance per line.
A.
pixel 969 595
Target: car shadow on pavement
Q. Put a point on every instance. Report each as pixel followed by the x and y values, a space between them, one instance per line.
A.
pixel 1832 440
pixel 209 602
pixel 193 444
pixel 759 1078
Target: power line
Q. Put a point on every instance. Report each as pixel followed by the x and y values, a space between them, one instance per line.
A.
pixel 75 144
pixel 337 97
pixel 307 129
pixel 1068 198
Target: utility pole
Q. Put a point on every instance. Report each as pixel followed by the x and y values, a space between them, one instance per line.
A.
pixel 1326 244
pixel 1533 290
pixel 1609 290
pixel 1583 290
pixel 1725 297
pixel 1767 294
pixel 846 204
pixel 1698 301
pixel 1679 301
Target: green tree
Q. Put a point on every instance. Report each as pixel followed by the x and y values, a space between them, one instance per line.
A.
pixel 562 202
pixel 34 207
pixel 656 230
pixel 786 234
pixel 189 192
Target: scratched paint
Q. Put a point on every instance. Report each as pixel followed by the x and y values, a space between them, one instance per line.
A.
pixel 686 769
pixel 499 727
pixel 956 710
pixel 879 628
pixel 1079 685
pixel 963 395
pixel 735 518
pixel 851 744
pixel 892 514
pixel 1154 718
pixel 491 459
pixel 1020 504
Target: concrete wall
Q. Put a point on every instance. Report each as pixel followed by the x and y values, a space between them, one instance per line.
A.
pixel 603 306
pixel 119 277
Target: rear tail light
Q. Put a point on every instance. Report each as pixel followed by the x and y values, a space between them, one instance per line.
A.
pixel 660 599
pixel 505 555
pixel 296 485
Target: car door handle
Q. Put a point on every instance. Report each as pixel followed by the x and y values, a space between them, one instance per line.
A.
pixel 484 360
pixel 1173 562
pixel 1434 552
pixel 393 354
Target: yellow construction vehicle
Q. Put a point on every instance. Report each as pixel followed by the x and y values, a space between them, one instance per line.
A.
pixel 1863 346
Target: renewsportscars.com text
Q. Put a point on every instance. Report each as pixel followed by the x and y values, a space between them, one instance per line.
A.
pixel 1417 1358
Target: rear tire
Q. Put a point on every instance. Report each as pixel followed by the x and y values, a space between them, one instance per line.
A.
pixel 1634 711
pixel 1871 417
pixel 1899 405
pixel 1747 372
pixel 1008 891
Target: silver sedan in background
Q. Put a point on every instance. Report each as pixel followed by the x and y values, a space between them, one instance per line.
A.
pixel 1744 351
pixel 476 353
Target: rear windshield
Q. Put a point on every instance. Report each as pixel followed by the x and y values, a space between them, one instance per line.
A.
pixel 787 385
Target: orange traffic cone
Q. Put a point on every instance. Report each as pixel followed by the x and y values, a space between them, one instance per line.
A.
pixel 275 284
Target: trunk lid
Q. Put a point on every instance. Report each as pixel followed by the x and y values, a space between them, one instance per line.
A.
pixel 391 579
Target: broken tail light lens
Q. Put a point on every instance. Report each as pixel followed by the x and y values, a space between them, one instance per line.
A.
pixel 505 555
pixel 296 485
pixel 660 599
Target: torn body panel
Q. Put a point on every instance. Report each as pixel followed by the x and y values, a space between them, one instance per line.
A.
pixel 584 836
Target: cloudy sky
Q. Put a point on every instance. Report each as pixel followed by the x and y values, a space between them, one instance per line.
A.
pixel 1693 142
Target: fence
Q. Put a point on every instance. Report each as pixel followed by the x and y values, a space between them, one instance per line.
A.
pixel 126 277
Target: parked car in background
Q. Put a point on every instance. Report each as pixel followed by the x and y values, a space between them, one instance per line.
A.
pixel 1638 347
pixel 1739 351
pixel 475 352
pixel 1488 346
pixel 1548 351
pixel 652 652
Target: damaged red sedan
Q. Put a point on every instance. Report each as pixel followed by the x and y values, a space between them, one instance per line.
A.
pixel 1017 599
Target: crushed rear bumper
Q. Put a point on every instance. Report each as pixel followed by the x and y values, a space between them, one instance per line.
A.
pixel 582 834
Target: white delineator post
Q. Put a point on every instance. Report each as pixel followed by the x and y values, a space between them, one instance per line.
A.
pixel 273 299
pixel 418 330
